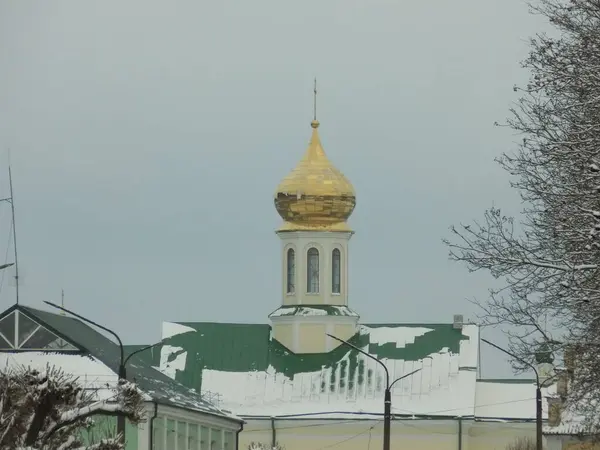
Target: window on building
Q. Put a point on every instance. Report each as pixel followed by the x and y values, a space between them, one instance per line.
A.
pixel 204 438
pixel 7 331
pixel 335 271
pixel 17 331
pixel 158 427
pixel 312 272
pixel 216 439
pixel 193 438
pixel 291 271
pixel 171 433
pixel 181 435
pixel 228 440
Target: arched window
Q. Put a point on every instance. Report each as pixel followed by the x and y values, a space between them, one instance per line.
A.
pixel 335 271
pixel 312 272
pixel 291 271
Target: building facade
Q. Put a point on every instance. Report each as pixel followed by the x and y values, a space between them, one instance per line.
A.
pixel 297 385
pixel 176 417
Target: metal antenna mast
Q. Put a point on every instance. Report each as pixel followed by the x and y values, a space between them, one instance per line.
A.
pixel 14 227
pixel 11 200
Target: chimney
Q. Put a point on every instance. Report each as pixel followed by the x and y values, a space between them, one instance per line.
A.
pixel 562 383
pixel 555 406
pixel 457 322
pixel 569 357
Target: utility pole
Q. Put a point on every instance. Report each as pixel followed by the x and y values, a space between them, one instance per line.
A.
pixel 538 393
pixel 387 401
pixel 11 200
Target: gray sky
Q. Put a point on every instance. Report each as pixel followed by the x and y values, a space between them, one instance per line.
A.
pixel 147 139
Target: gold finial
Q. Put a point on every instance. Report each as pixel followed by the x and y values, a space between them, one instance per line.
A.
pixel 315 122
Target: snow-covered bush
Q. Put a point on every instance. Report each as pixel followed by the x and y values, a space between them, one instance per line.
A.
pixel 49 409
pixel 260 446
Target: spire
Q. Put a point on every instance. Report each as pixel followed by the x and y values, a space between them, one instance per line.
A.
pixel 315 195
pixel 315 122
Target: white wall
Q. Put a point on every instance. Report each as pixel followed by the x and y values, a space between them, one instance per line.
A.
pixel 325 242
pixel 352 434
pixel 178 429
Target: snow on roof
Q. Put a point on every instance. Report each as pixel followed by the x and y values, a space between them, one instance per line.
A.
pixel 172 359
pixel 314 310
pixel 573 420
pixel 105 356
pixel 399 336
pixel 571 423
pixel 170 329
pixel 440 388
pixel 266 394
pixel 91 373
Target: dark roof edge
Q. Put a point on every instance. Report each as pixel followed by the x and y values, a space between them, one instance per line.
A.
pixel 226 414
pixel 507 380
pixel 183 322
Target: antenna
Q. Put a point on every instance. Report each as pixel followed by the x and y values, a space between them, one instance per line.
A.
pixel 315 101
pixel 12 209
pixel 11 200
pixel 62 301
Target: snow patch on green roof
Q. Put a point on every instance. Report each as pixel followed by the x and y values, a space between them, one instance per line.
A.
pixel 313 310
pixel 388 335
pixel 172 329
pixel 253 375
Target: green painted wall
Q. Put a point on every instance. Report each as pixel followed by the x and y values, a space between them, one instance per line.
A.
pixel 107 426
pixel 131 436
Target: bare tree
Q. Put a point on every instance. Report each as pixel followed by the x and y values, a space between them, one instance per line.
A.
pixel 548 258
pixel 49 410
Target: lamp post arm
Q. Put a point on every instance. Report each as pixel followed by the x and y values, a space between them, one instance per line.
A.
pixel 148 347
pixel 387 373
pixel 403 377
pixel 537 375
pixel 96 325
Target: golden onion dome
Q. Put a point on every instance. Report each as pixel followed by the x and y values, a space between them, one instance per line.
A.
pixel 315 195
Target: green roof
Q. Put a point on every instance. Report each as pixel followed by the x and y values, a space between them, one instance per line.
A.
pixel 249 347
pixel 159 386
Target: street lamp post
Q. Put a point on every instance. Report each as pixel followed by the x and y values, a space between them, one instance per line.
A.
pixel 143 349
pixel 122 372
pixel 387 409
pixel 538 393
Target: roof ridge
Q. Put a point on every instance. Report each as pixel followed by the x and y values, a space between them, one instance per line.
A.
pixel 214 323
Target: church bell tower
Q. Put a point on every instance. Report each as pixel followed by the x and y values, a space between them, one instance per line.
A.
pixel 315 201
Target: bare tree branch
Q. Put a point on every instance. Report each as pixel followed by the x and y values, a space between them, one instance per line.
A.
pixel 548 259
pixel 48 409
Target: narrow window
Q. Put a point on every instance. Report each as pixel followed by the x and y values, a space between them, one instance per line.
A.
pixel 291 271
pixel 312 272
pixel 335 271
